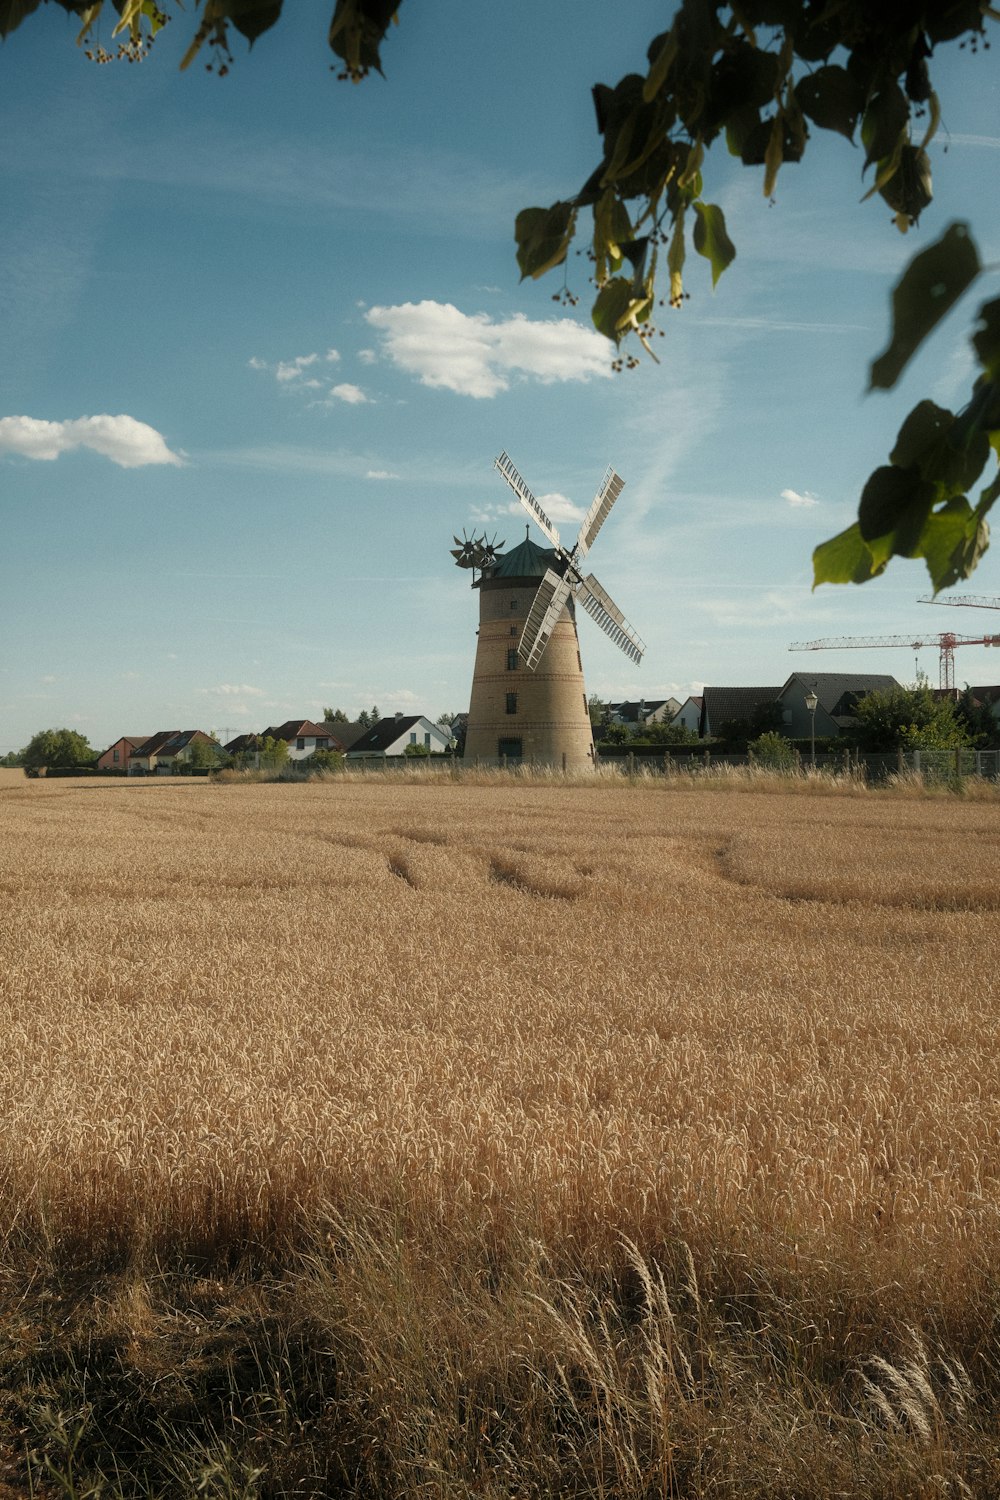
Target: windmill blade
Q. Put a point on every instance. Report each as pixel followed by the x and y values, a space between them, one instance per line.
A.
pixel 526 498
pixel 546 607
pixel 600 508
pixel 601 607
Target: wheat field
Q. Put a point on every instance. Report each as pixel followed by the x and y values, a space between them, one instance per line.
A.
pixel 403 1136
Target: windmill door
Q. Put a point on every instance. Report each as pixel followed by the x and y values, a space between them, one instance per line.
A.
pixel 510 751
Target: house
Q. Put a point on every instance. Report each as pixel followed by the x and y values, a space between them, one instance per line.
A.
pixel 738 712
pixel 837 694
pixel 688 716
pixel 117 756
pixel 645 711
pixel 391 737
pixel 166 751
pixel 304 738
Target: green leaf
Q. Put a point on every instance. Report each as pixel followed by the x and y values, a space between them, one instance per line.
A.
pixel 611 306
pixel 886 120
pixel 952 542
pixel 711 239
pixel 931 284
pixel 13 12
pixel 941 447
pixel 986 339
pixel 895 504
pixel 356 31
pixel 832 98
pixel 543 236
pixel 253 17
pixel 845 558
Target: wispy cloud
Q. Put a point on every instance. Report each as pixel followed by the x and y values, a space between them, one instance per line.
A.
pixel 794 497
pixel 231 690
pixel 475 355
pixel 299 371
pixel 124 440
pixel 352 394
pixel 381 474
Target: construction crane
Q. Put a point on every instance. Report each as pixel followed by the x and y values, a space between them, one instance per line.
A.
pixel 946 644
pixel 972 601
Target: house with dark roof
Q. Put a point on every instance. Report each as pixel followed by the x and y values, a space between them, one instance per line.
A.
pixel 303 737
pixel 166 751
pixel 393 736
pixel 735 712
pixel 645 711
pixel 837 694
pixel 688 716
pixel 117 756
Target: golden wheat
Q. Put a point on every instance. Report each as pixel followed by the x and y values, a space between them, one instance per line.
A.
pixel 608 1021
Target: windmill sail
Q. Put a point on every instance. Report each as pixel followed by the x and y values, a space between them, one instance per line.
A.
pixel 601 607
pixel 611 487
pixel 546 607
pixel 526 498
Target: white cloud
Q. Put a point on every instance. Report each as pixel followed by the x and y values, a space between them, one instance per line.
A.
pixel 381 474
pixel 352 394
pixel 367 356
pixel 332 356
pixel 127 442
pixel 795 498
pixel 291 369
pixel 475 356
pixel 232 690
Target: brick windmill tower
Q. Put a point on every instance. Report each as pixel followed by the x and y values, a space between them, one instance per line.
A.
pixel 528 698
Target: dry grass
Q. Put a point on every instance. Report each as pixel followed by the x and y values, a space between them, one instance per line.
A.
pixel 499 1138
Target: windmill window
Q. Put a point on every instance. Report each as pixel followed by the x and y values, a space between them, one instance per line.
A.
pixel 512 659
pixel 513 605
pixel 513 630
pixel 512 703
pixel 586 707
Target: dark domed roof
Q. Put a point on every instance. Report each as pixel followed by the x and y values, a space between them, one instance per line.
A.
pixel 524 561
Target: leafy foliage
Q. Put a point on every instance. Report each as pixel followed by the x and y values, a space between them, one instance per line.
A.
pixel 56 747
pixel 908 719
pixel 758 75
pixel 774 751
pixel 335 716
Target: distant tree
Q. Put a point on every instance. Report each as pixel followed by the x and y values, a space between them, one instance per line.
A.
pixel 976 718
pixel 206 755
pixel 765 718
pixel 324 760
pixel 772 750
pixel 907 719
pixel 335 716
pixel 13 758
pixel 368 718
pixel 665 734
pixel 416 752
pixel 600 713
pixel 57 747
pixel 613 734
pixel 273 753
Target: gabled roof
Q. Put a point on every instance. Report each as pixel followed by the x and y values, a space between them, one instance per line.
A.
pixel 387 731
pixel 830 687
pixel 734 705
pixel 242 742
pixel 169 741
pixel 630 711
pixel 294 729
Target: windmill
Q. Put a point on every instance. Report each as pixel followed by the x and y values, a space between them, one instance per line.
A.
pixel 528 699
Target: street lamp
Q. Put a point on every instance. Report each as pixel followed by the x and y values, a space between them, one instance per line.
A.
pixel 811 702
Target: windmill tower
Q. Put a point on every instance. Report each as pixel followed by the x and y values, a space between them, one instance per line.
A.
pixel 528 698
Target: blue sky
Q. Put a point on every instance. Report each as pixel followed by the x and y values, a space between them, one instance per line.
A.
pixel 263 337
